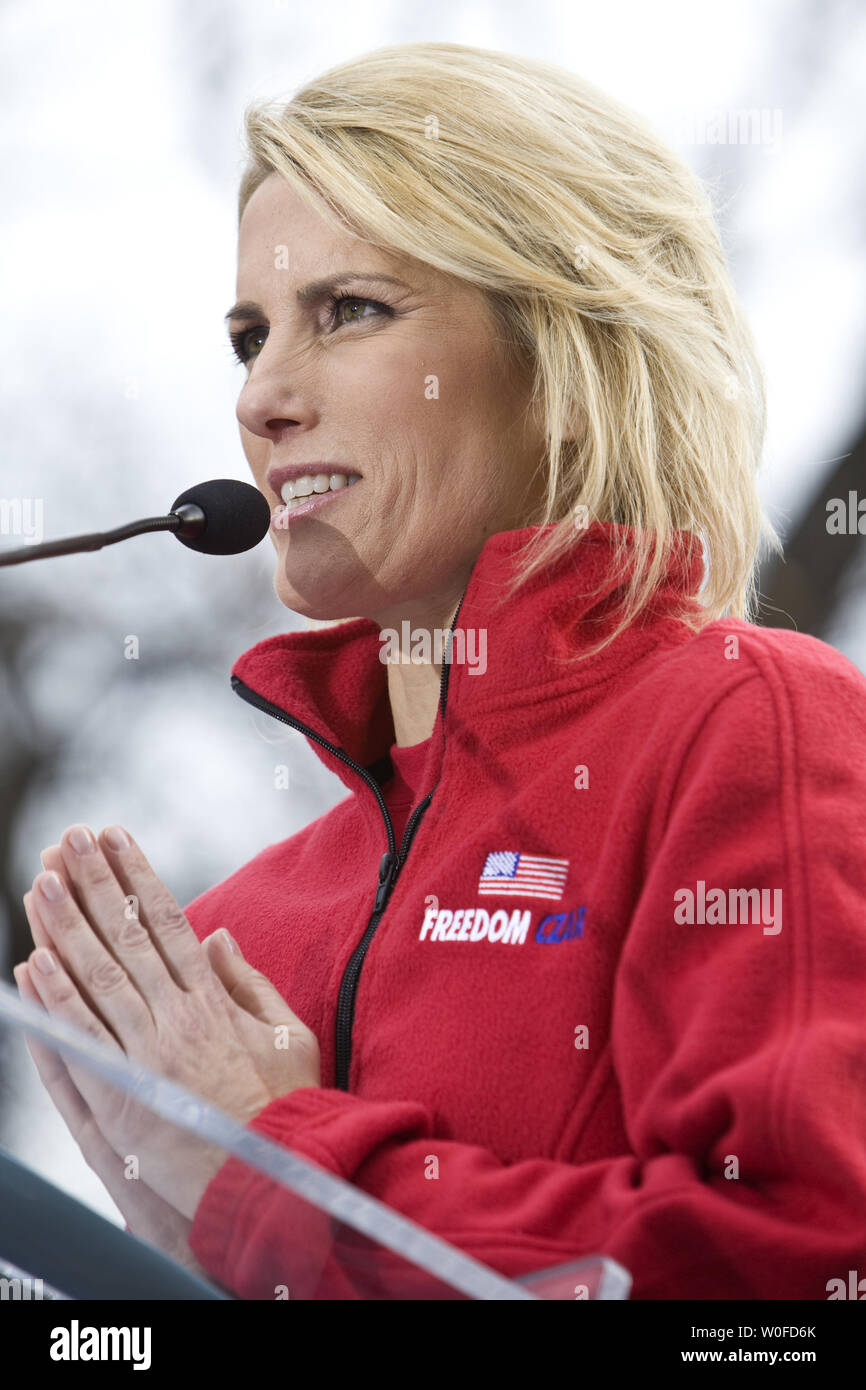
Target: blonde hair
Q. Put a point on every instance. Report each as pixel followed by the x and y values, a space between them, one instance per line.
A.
pixel 597 249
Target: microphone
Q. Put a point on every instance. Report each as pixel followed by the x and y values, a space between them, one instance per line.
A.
pixel 220 517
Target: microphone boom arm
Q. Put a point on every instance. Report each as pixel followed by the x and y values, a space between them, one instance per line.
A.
pixel 187 520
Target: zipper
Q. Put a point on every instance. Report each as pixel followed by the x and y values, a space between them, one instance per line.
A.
pixel 391 863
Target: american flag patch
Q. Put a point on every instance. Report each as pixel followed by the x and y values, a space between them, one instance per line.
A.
pixel 507 873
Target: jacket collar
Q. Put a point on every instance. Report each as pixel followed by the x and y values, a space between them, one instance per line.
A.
pixel 332 681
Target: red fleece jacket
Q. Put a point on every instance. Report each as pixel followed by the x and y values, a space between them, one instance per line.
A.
pixel 616 1001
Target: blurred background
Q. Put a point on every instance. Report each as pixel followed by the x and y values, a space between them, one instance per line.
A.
pixel 120 153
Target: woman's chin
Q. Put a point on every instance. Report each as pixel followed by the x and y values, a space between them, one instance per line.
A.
pixel 318 605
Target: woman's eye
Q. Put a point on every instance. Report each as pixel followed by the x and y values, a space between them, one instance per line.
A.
pixel 352 303
pixel 244 343
pixel 248 342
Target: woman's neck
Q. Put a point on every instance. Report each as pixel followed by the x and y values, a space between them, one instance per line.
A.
pixel 413 686
pixel 414 694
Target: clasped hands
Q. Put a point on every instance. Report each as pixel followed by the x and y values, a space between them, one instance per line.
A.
pixel 116 956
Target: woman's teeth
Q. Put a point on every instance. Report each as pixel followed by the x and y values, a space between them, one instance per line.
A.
pixel 298 490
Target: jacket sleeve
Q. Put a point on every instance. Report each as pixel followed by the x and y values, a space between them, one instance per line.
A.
pixel 745 1102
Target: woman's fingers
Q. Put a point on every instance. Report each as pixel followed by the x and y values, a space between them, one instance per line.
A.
pixel 42 938
pixel 37 930
pixel 53 1072
pixel 99 901
pixel 80 955
pixel 104 903
pixel 105 1112
pixel 51 1068
pixel 65 1095
pixel 263 1020
pixel 56 991
pixel 165 921
pixel 250 990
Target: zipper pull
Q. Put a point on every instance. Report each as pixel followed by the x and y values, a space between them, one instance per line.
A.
pixel 387 869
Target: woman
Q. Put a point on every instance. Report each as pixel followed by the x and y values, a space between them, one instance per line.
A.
pixel 578 963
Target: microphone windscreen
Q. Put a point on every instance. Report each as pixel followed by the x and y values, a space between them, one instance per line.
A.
pixel 237 516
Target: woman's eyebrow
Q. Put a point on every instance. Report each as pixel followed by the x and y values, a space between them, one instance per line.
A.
pixel 248 309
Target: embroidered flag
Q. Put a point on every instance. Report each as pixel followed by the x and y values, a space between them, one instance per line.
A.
pixel 516 875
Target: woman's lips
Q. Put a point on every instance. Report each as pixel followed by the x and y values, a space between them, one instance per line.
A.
pixel 284 517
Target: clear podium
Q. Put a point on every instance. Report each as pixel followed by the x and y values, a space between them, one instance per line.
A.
pixel 312 1235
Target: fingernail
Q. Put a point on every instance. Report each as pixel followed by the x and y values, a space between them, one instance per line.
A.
pixel 116 837
pixel 81 840
pixel 45 962
pixel 230 941
pixel 50 885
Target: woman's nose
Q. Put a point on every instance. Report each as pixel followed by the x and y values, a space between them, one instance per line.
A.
pixel 270 399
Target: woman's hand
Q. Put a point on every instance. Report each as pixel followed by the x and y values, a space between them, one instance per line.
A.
pixel 146 1215
pixel 129 970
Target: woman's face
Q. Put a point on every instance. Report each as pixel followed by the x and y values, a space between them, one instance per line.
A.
pixel 403 384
